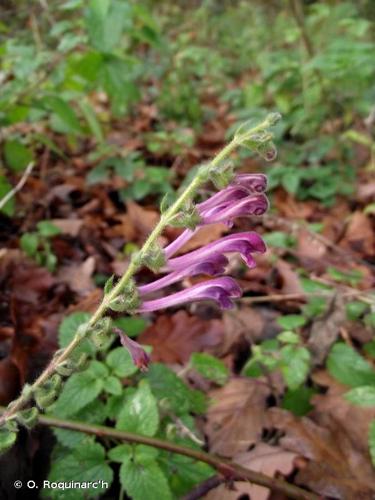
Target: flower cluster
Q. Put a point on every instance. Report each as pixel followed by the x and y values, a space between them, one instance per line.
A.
pixel 243 196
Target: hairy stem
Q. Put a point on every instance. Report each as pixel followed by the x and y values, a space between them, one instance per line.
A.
pixel 227 468
pixel 187 195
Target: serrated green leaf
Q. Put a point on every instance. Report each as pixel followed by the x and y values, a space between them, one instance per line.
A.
pixel 79 391
pixel 210 367
pixel 173 391
pixel 68 328
pixel 348 367
pixel 121 363
pixel 113 386
pixel 141 481
pixel 120 453
pixel 84 463
pixel 140 413
pixel 362 396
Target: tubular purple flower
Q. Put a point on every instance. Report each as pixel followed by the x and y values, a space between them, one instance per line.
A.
pixel 255 183
pixel 228 195
pixel 221 290
pixel 244 243
pixel 251 205
pixel 213 265
pixel 233 205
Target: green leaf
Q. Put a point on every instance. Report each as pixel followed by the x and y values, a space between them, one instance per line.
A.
pixel 362 396
pixel 140 413
pixel 120 453
pixel 5 187
pixel 141 481
pixel 92 120
pixel 113 386
pixel 47 229
pixel 184 473
pixel 132 326
pixel 291 321
pixel 355 309
pixel 17 156
pixel 295 365
pixel 298 400
pixel 85 463
pixel 98 369
pixel 371 441
pixel 79 391
pixel 348 367
pixel 72 439
pixel 64 112
pixel 288 337
pixel 210 367
pixel 68 328
pixel 106 21
pixel 174 393
pixel 7 439
pixel 121 363
pixel 29 243
pixel 280 239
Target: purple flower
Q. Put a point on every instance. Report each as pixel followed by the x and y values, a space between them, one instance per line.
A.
pixel 251 205
pixel 212 265
pixel 223 211
pixel 244 243
pixel 139 356
pixel 244 196
pixel 255 183
pixel 221 290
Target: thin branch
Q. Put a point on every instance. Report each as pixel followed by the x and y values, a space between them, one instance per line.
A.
pixel 18 186
pixel 302 297
pixel 203 488
pixel 228 469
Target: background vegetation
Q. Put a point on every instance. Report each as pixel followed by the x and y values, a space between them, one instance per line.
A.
pixel 111 103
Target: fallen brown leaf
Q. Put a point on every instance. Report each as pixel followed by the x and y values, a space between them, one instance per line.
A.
pixel 270 460
pixel 236 418
pixel 174 338
pixel 78 276
pixel 336 466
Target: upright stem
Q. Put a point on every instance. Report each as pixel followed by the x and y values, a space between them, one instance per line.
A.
pixel 186 195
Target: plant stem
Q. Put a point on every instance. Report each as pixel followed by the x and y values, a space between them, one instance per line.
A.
pixel 227 468
pixel 187 194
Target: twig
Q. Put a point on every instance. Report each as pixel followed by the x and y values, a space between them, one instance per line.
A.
pixel 301 296
pixel 203 488
pixel 18 186
pixel 225 467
